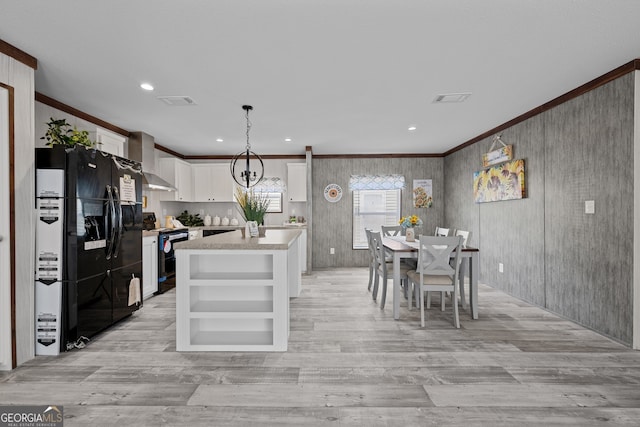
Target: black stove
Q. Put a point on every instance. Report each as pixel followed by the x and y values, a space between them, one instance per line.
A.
pixel 167 237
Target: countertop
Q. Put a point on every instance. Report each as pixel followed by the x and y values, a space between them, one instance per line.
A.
pixel 238 227
pixel 149 233
pixel 274 239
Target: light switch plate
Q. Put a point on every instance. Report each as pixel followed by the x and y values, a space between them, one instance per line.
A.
pixel 590 206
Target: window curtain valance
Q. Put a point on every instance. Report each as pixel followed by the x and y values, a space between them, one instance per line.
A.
pixel 376 182
pixel 270 185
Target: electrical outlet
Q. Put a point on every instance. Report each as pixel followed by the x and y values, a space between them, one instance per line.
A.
pixel 164 212
pixel 201 212
pixel 590 206
pixel 500 267
pixel 332 251
pixel 229 211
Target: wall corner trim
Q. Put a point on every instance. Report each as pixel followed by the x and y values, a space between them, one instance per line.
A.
pixel 635 282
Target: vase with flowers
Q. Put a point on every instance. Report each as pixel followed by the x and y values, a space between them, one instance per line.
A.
pixel 253 207
pixel 408 223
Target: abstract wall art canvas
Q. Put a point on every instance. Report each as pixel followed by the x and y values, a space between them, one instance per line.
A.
pixel 500 182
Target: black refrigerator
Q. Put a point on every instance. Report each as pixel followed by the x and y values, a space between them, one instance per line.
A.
pixel 88 244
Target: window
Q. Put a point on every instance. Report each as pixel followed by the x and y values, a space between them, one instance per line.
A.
pixel 271 188
pixel 275 201
pixel 373 209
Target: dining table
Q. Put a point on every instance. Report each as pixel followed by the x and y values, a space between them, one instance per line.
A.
pixel 400 249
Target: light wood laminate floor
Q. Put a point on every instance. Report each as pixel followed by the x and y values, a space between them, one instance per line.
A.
pixel 349 363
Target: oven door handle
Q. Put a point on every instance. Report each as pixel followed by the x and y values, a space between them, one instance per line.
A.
pixel 176 236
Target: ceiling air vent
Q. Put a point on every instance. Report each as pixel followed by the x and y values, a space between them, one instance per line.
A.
pixel 451 97
pixel 177 101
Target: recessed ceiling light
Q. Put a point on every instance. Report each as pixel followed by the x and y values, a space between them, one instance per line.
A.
pixel 451 97
pixel 219 140
pixel 287 140
pixel 412 128
pixel 146 86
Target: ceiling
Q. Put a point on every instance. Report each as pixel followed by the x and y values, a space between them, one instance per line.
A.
pixel 341 76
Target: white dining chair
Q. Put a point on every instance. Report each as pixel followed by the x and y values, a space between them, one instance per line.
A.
pixel 384 269
pixel 398 230
pixel 440 231
pixel 372 258
pixel 435 270
pixel 466 237
pixel 392 230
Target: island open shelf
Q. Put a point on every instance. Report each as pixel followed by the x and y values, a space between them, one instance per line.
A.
pixel 230 341
pixel 229 308
pixel 232 294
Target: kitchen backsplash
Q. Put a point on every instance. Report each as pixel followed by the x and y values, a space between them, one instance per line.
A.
pixel 221 209
pixel 273 167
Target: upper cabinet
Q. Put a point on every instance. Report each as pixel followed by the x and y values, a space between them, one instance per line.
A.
pixel 110 142
pixel 297 182
pixel 212 182
pixel 178 173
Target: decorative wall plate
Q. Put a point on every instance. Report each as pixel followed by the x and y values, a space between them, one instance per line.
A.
pixel 333 193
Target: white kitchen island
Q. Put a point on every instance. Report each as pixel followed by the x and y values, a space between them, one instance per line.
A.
pixel 232 293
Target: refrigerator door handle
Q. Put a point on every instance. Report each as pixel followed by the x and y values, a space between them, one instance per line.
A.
pixel 112 214
pixel 118 236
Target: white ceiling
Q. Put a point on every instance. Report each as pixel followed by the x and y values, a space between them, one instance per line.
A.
pixel 342 76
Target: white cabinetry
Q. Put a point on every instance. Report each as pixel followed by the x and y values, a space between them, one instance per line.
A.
pixel 110 142
pixel 212 182
pixel 149 266
pixel 178 173
pixel 297 182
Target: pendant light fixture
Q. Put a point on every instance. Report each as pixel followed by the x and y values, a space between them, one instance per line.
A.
pixel 252 163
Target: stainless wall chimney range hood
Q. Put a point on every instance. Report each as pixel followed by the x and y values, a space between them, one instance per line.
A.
pixel 151 181
pixel 141 149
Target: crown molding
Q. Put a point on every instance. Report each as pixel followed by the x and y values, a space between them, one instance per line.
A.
pixel 18 55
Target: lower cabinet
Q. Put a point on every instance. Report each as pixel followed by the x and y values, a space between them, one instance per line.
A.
pixel 233 300
pixel 149 266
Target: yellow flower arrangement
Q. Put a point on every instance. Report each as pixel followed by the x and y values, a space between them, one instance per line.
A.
pixel 410 221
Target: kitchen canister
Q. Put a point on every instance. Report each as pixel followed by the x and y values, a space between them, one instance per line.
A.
pixel 216 220
pixel 207 219
pixel 225 221
pixel 233 221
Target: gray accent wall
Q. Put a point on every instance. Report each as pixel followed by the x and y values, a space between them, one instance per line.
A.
pixel 509 232
pixel 556 256
pixel 589 258
pixel 332 222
